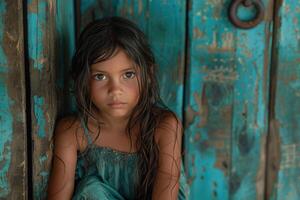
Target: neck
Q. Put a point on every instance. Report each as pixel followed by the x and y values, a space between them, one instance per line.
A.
pixel 114 125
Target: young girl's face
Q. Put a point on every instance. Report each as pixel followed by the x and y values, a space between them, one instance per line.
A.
pixel 114 86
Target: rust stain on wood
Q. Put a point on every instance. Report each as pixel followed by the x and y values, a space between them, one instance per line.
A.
pixel 14 173
pixel 260 176
pixel 273 163
pixel 197 34
pixel 202 107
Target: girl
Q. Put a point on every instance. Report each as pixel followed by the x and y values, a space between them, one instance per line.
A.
pixel 123 143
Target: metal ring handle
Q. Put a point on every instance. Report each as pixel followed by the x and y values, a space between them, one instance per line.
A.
pixel 246 24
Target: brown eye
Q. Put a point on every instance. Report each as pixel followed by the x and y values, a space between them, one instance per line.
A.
pixel 100 77
pixel 129 75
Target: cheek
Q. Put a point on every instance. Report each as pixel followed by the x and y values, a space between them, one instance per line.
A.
pixel 133 87
pixel 94 90
pixel 96 85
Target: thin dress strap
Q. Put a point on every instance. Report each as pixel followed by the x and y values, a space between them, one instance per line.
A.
pixel 86 132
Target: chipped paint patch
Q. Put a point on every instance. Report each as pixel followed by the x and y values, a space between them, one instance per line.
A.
pixel 6 128
pixel 36 22
pixel 6 118
pixel 295 85
pixel 39 102
pixel 3 60
pixel 220 74
pixel 283 178
pixel 43 158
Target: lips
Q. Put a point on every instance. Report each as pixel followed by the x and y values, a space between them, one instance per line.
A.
pixel 116 104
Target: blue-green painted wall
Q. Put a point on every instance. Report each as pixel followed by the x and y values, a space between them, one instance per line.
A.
pixel 236 90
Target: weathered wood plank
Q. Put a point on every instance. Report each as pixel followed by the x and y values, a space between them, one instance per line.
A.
pixel 208 109
pixel 41 51
pixel 166 31
pixel 251 102
pixel 65 46
pixel 13 148
pixel 92 9
pixel 284 137
pixel 227 101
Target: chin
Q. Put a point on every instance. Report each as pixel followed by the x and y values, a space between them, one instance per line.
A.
pixel 119 114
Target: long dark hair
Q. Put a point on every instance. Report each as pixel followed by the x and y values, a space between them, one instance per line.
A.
pixel 98 42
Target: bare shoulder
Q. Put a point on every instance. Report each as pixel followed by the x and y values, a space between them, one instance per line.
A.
pixel 170 126
pixel 169 130
pixel 66 130
pixel 61 181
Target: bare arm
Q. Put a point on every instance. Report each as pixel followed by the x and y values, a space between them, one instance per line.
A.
pixel 166 185
pixel 61 181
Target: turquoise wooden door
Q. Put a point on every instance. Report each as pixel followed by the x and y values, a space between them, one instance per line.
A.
pixel 283 146
pixel 241 103
pixel 236 90
pixel 227 102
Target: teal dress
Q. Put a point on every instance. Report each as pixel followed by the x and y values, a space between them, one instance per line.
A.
pixel 103 173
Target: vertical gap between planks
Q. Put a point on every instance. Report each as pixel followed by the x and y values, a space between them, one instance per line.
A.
pixel 28 120
pixel 272 95
pixel 185 73
pixel 77 19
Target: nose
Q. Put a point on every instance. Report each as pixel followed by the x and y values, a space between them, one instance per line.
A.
pixel 115 87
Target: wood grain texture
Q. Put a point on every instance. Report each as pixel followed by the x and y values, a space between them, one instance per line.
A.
pixel 235 87
pixel 227 103
pixel 284 136
pixel 64 49
pixel 166 32
pixel 41 51
pixel 13 163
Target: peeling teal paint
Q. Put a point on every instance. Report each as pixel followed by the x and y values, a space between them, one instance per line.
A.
pixel 44 174
pixel 162 20
pixel 227 86
pixel 39 102
pixel 36 22
pixel 223 60
pixel 3 60
pixel 208 181
pixel 205 179
pixel 6 128
pixel 6 118
pixel 43 158
pixel 179 101
pixel 295 85
pixel 39 190
pixel 287 101
pixel 41 186
pixel 65 30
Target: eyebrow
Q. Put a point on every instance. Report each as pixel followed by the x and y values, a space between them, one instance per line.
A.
pixel 97 70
